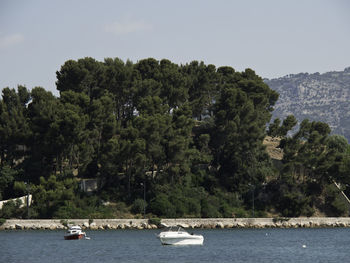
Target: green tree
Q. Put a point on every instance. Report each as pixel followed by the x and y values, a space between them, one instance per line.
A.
pixel 121 80
pixel 288 123
pixel 14 128
pixel 201 81
pixel 51 194
pixel 84 75
pixel 275 130
pixel 7 178
pixel 42 116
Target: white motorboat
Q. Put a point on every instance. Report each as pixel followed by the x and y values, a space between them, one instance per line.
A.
pixel 180 237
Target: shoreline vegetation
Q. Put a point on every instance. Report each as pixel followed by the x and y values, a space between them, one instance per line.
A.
pixel 192 223
pixel 156 138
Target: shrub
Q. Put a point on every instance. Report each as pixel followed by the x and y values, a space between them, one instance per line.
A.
pixel 208 210
pixel 335 206
pixel 12 209
pixel 338 207
pixel 239 212
pixel 193 207
pixel 138 206
pixel 226 210
pixel 69 210
pixel 64 222
pixel 2 221
pixel 161 206
pixel 154 221
pixel 178 203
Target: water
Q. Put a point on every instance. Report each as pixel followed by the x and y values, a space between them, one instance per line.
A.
pixel 227 245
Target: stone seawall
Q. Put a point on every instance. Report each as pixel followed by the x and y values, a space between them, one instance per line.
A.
pixel 210 223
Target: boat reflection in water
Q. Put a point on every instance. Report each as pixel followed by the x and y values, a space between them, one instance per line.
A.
pixel 179 237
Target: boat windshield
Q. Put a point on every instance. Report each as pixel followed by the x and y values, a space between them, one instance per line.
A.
pixel 175 229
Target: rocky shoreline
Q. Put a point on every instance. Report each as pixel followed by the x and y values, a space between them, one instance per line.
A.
pixel 204 223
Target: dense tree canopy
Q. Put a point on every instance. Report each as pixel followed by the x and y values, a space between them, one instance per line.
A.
pixel 187 137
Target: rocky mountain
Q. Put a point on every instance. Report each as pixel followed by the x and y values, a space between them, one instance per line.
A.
pixel 317 97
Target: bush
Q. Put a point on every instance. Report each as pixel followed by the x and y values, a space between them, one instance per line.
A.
pixel 239 212
pixel 161 206
pixel 68 211
pixel 193 207
pixel 226 210
pixel 2 221
pixel 154 221
pixel 64 222
pixel 209 210
pixel 338 207
pixel 138 206
pixel 12 209
pixel 179 205
pixel 335 206
pixel 289 199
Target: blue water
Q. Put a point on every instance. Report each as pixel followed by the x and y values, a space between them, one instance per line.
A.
pixel 228 245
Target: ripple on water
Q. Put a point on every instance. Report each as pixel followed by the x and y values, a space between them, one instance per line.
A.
pixel 224 245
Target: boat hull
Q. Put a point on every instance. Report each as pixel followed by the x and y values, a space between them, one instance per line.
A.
pixel 180 237
pixel 193 240
pixel 74 237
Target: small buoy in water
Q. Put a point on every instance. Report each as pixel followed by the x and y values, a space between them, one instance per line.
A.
pixel 266 234
pixel 304 246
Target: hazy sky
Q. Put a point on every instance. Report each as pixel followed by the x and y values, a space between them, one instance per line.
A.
pixel 273 37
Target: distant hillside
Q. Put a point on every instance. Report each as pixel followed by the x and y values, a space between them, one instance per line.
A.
pixel 320 97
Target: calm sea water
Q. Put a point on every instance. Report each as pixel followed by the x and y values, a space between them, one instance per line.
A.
pixel 228 245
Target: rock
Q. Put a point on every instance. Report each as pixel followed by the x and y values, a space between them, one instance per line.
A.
pixel 18 226
pixel 219 225
pixel 259 225
pixel 293 225
pixel 94 227
pixel 306 224
pixel 86 224
pixel 316 224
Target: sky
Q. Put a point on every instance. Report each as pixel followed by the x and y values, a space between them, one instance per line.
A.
pixel 273 37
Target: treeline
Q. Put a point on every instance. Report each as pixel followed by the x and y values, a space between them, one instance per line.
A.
pixel 171 140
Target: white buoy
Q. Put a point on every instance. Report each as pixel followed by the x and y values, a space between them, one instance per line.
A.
pixel 304 246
